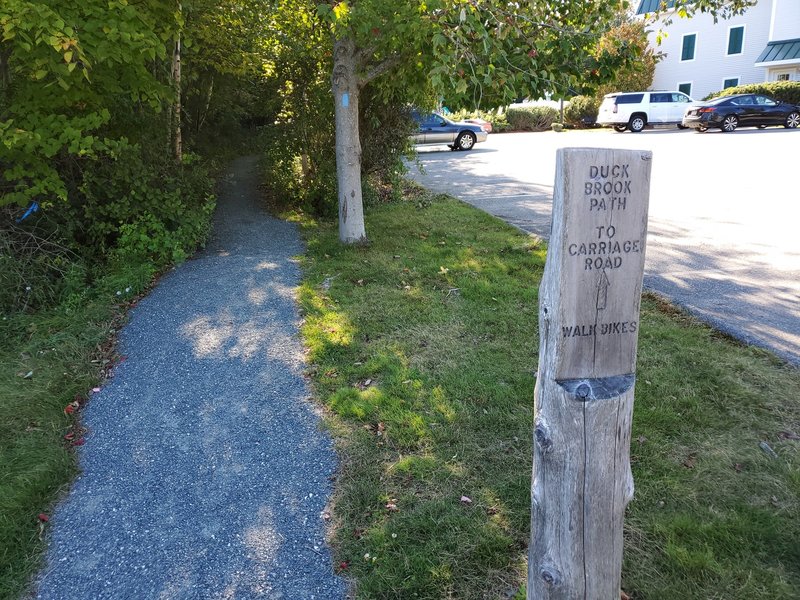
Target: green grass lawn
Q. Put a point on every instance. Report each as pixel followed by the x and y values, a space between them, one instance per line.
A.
pixel 423 346
pixel 48 360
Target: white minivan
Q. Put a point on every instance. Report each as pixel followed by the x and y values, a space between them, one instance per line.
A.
pixel 635 110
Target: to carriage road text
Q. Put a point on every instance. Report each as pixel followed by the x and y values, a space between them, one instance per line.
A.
pixel 606 249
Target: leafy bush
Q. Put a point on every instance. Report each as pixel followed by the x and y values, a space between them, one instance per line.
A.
pixel 787 91
pixel 581 111
pixel 533 118
pixel 139 212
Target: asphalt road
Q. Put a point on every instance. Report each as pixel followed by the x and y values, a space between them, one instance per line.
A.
pixel 724 215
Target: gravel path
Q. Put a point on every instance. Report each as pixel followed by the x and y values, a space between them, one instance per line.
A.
pixel 205 472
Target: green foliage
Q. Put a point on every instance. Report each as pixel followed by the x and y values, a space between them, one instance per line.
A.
pixel 581 111
pixel 531 118
pixel 142 212
pixel 786 91
pixel 628 35
pixel 385 128
pixel 67 66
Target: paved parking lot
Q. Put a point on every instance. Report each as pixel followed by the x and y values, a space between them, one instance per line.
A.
pixel 724 237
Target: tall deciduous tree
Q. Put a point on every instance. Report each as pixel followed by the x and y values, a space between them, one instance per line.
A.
pixel 481 50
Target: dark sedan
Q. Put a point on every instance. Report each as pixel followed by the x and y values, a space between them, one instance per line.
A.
pixel 741 110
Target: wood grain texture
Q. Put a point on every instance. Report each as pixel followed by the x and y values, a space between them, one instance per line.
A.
pixel 589 321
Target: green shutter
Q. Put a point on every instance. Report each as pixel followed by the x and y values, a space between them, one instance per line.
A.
pixel 735 39
pixel 688 47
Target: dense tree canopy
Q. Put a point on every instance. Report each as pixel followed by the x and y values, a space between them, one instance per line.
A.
pixel 82 80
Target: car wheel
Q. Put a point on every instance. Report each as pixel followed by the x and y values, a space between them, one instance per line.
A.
pixel 637 123
pixel 729 123
pixel 620 128
pixel 466 140
pixel 792 121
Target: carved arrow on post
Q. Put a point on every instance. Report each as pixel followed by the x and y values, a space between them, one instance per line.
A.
pixel 602 290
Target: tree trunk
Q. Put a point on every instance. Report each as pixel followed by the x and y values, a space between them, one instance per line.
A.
pixel 348 145
pixel 177 141
pixel 207 107
pixel 583 402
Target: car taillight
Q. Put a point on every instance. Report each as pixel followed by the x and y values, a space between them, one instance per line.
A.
pixel 705 110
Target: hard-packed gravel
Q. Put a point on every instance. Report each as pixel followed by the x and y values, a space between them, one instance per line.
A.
pixel 205 473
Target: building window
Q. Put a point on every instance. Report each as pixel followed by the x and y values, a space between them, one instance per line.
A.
pixel 686 88
pixel 732 82
pixel 735 40
pixel 782 77
pixel 687 51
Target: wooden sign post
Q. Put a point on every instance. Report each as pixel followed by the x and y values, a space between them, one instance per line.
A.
pixel 588 326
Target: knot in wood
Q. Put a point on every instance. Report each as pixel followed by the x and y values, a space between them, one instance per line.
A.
pixel 543 439
pixel 550 575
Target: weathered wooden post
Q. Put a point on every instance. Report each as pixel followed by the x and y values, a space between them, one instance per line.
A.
pixel 588 326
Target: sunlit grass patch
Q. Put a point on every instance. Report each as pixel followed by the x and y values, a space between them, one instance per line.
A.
pixel 432 402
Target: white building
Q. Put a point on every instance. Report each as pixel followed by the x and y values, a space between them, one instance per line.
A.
pixel 702 57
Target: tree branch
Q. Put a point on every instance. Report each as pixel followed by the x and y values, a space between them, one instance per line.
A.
pixel 379 69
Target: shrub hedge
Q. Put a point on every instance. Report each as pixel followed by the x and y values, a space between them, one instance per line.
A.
pixel 581 111
pixel 787 91
pixel 533 118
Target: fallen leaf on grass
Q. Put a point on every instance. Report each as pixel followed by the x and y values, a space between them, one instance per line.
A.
pixel 71 408
pixel 788 435
pixel 70 436
pixel 623 596
pixel 738 467
pixel 690 461
pixel 392 507
pixel 43 518
pixel 343 565
pixel 466 500
pixel 79 442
